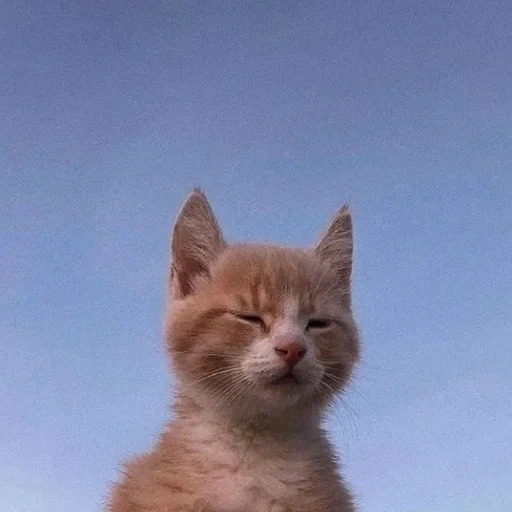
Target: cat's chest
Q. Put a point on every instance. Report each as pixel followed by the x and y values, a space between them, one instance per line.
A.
pixel 245 475
pixel 254 486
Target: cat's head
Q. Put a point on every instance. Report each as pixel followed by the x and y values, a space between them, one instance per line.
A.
pixel 256 328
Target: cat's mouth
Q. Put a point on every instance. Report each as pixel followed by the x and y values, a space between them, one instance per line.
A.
pixel 287 379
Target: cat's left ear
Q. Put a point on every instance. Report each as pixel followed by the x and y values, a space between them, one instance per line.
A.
pixel 336 247
pixel 196 242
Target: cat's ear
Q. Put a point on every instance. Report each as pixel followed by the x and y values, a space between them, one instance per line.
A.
pixel 336 247
pixel 196 242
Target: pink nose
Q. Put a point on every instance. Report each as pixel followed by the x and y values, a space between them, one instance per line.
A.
pixel 291 352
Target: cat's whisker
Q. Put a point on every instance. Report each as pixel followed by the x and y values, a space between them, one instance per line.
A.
pixel 362 396
pixel 204 366
pixel 246 387
pixel 219 354
pixel 334 400
pixel 212 375
pixel 240 387
pixel 344 382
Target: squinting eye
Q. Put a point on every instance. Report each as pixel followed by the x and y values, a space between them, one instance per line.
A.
pixel 251 319
pixel 317 323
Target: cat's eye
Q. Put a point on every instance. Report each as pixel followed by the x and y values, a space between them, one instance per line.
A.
pixel 317 323
pixel 251 319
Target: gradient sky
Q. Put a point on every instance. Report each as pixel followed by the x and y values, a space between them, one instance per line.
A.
pixel 111 111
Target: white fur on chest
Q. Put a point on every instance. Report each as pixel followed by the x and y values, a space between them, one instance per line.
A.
pixel 247 473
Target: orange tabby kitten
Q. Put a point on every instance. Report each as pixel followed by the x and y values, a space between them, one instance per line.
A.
pixel 261 339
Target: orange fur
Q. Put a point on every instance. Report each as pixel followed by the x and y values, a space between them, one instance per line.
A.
pixel 246 434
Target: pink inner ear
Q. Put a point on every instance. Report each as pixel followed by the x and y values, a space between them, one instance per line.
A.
pixel 196 242
pixel 336 246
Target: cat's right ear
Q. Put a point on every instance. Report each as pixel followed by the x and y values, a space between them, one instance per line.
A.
pixel 196 242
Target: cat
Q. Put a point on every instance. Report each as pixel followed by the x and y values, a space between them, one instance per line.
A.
pixel 261 339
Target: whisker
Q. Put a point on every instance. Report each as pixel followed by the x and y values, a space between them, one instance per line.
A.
pixel 210 354
pixel 224 371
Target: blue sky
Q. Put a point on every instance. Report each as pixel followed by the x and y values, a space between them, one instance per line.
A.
pixel 111 111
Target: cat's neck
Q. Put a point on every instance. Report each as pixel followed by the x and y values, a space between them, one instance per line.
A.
pixel 302 423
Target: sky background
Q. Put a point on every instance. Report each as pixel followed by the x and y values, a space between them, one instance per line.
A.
pixel 111 111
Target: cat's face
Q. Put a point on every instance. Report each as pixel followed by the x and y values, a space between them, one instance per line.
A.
pixel 257 328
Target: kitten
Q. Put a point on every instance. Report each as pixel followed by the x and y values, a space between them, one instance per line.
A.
pixel 262 340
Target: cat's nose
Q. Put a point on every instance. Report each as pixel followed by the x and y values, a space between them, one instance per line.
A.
pixel 291 352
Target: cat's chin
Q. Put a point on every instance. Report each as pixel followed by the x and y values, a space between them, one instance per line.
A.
pixel 284 391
